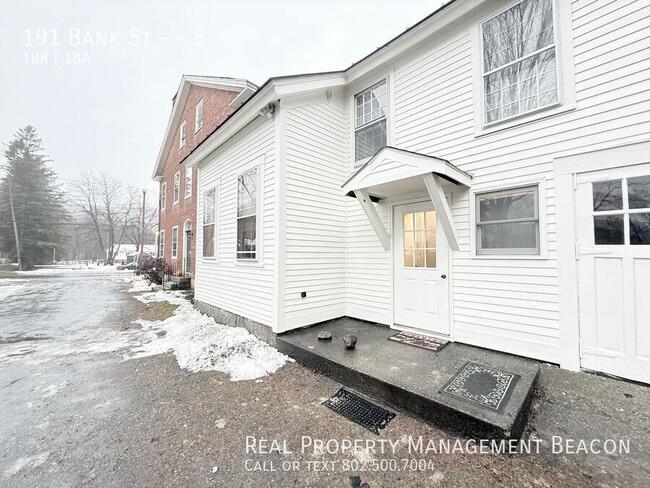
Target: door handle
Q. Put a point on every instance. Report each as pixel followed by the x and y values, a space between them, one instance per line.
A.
pixel 444 276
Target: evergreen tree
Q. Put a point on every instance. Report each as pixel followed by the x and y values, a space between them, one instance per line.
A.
pixel 32 213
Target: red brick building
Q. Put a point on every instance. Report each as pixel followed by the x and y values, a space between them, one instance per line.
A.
pixel 200 105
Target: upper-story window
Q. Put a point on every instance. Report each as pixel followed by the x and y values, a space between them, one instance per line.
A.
pixel 183 133
pixel 163 195
pixel 188 182
pixel 370 121
pixel 519 61
pixel 198 120
pixel 177 186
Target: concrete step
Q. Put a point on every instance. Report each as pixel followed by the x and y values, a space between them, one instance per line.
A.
pixel 409 379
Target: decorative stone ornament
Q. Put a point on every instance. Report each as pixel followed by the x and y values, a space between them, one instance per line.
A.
pixel 324 336
pixel 350 341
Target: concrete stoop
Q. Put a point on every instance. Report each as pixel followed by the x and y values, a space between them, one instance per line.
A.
pixel 409 379
pixel 177 283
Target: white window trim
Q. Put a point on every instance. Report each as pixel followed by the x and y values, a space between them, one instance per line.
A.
pixel 216 187
pixel 542 208
pixel 176 196
pixel 163 196
pixel 390 119
pixel 182 135
pixel 161 244
pixel 258 261
pixel 565 70
pixel 198 125
pixel 174 254
pixel 188 172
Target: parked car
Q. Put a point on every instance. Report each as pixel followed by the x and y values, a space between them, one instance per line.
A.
pixel 130 266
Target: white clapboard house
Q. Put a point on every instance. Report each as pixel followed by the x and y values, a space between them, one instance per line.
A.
pixel 484 176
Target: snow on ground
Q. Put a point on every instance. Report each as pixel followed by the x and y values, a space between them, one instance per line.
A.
pixel 77 268
pixel 200 344
pixel 138 284
pixel 10 287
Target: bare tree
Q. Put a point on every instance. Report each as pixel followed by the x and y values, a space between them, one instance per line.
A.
pixel 134 228
pixel 109 205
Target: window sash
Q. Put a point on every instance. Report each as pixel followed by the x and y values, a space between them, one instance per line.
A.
pixel 161 245
pixel 198 124
pixel 508 222
pixel 174 242
pixel 370 105
pixel 163 196
pixel 177 184
pixel 209 227
pixel 183 134
pixel 523 103
pixel 188 182
pixel 370 112
pixel 209 240
pixel 247 231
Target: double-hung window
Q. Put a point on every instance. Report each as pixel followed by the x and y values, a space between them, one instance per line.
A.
pixel 174 242
pixel 520 73
pixel 209 222
pixel 161 245
pixel 177 186
pixel 163 195
pixel 188 182
pixel 198 114
pixel 247 184
pixel 507 221
pixel 182 134
pixel 370 121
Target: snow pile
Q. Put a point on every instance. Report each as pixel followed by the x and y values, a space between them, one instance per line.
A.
pixel 64 269
pixel 139 284
pixel 200 344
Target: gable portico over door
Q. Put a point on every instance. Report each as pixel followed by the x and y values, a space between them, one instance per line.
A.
pixel 394 176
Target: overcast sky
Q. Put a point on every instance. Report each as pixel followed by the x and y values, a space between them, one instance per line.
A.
pixel 105 107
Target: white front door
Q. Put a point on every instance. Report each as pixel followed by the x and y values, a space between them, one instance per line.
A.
pixel 613 251
pixel 421 268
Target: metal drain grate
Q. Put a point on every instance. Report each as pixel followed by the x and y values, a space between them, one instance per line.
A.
pixel 359 411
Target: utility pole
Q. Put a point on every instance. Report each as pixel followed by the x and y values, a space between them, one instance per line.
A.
pixel 144 206
pixel 13 217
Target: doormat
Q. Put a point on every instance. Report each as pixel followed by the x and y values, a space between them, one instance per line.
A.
pixel 360 411
pixel 417 340
pixel 488 387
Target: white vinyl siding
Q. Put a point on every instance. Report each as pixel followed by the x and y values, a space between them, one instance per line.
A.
pixel 243 288
pixel 497 302
pixel 198 116
pixel 188 182
pixel 316 152
pixel 177 186
pixel 175 242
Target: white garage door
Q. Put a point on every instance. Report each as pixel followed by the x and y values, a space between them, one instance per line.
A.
pixel 613 250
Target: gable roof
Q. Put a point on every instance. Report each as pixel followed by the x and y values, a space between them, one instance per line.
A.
pixel 267 92
pixel 244 87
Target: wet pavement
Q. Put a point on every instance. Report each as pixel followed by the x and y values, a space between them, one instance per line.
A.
pixel 75 413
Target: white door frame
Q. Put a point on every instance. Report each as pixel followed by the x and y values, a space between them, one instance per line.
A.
pixel 566 169
pixel 415 199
